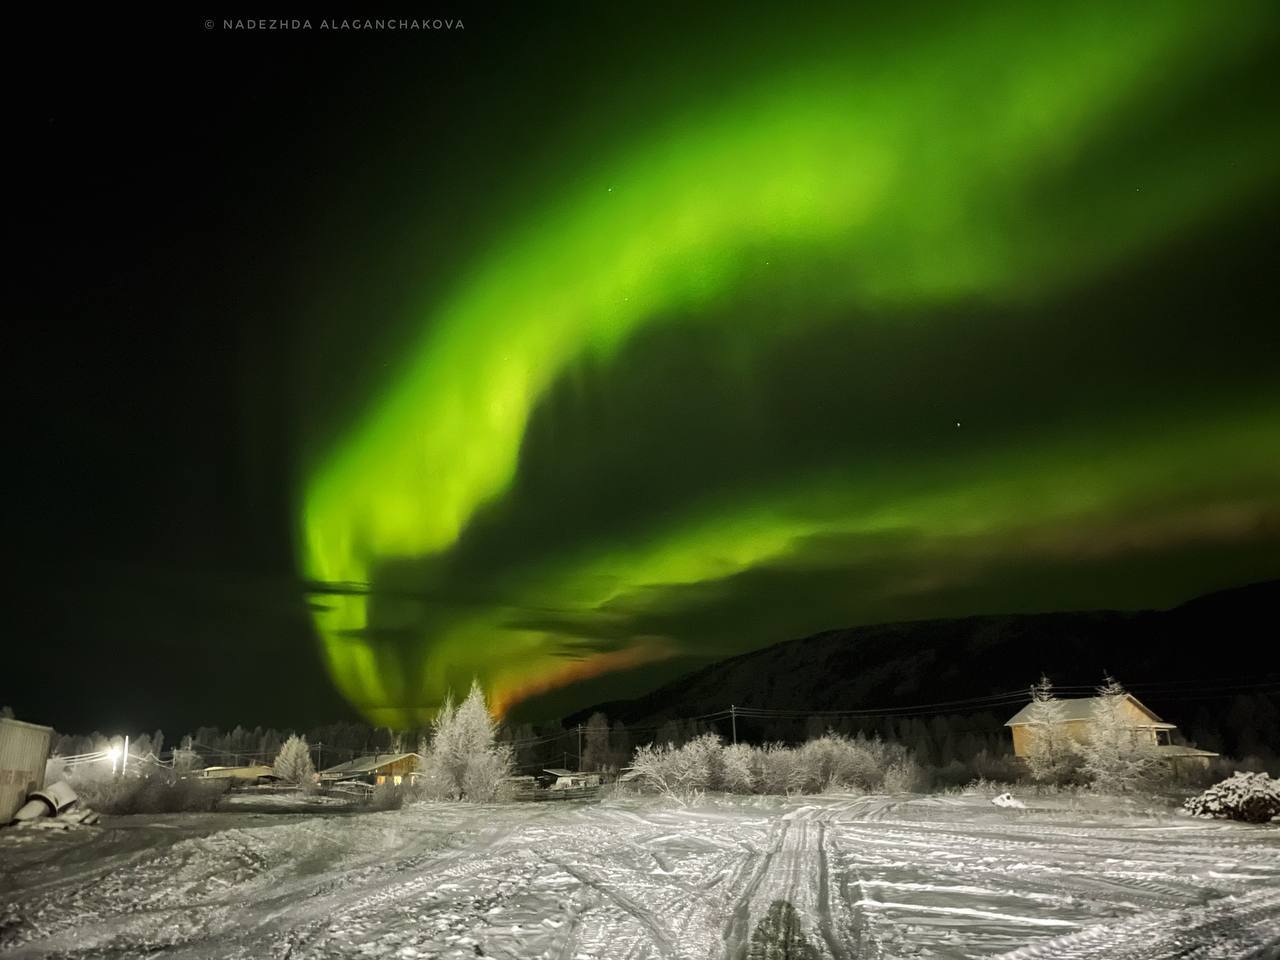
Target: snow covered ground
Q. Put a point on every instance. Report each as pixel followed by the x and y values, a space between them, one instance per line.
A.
pixel 839 877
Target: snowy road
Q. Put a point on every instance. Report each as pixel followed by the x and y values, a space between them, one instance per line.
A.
pixel 840 877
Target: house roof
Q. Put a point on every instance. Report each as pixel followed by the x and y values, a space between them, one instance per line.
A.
pixel 558 772
pixel 1081 708
pixel 366 764
pixel 246 772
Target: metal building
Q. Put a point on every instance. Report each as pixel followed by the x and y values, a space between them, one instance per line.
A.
pixel 24 749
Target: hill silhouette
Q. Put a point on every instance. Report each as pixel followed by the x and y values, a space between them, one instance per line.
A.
pixel 1196 647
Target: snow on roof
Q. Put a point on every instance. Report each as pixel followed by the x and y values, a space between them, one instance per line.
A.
pixel 558 772
pixel 1081 708
pixel 244 772
pixel 365 764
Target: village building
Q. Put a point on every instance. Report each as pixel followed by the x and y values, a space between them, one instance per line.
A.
pixel 571 780
pixel 1147 730
pixel 374 768
pixel 24 748
pixel 255 773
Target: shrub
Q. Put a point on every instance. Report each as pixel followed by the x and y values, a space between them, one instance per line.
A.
pixel 681 772
pixel 1251 797
pixel 830 762
pixel 737 768
pixel 387 796
pixel 778 769
pixel 156 792
pixel 833 761
pixel 903 775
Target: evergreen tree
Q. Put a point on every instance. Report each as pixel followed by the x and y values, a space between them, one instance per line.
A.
pixel 1052 753
pixel 1114 755
pixel 293 763
pixel 464 760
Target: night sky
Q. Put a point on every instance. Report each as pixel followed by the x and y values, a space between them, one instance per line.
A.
pixel 572 350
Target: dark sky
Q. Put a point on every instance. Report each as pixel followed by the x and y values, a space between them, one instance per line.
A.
pixel 584 347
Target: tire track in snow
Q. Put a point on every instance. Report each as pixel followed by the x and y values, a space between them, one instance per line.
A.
pixel 737 930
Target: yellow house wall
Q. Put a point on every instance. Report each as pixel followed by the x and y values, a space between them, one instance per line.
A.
pixel 1079 730
pixel 397 771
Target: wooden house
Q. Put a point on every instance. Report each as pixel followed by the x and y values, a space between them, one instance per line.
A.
pixel 1147 730
pixel 256 773
pixel 375 768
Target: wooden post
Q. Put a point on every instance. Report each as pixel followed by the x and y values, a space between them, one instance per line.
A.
pixel 733 718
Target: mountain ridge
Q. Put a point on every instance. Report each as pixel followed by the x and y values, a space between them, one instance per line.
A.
pixel 899 663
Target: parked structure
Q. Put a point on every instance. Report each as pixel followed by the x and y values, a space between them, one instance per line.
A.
pixel 24 750
pixel 1148 730
pixel 555 783
pixel 375 769
pixel 571 780
pixel 257 773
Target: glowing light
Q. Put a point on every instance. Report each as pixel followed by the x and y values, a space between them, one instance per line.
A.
pixel 956 171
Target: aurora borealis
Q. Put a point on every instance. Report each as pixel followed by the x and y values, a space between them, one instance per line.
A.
pixel 907 317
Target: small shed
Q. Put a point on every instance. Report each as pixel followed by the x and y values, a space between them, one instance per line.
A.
pixel 374 768
pixel 24 750
pixel 571 780
pixel 1184 759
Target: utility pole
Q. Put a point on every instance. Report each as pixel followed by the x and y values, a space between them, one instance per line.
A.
pixel 733 718
pixel 579 748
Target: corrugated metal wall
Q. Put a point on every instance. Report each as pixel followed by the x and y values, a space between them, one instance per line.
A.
pixel 24 748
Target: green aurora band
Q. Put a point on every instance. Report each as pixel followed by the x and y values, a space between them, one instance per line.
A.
pixel 915 170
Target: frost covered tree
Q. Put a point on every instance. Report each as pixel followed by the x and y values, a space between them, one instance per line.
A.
pixel 1053 754
pixel 293 762
pixel 1115 757
pixel 464 759
pixel 738 774
pixel 681 773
